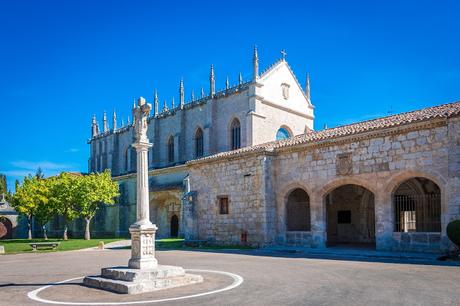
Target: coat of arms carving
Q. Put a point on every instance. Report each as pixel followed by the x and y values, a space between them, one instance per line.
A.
pixel 285 90
pixel 344 164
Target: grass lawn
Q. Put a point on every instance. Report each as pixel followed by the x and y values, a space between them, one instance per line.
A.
pixel 22 245
pixel 177 243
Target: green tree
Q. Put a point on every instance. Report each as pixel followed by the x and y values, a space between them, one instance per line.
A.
pixel 3 185
pixel 28 197
pixel 45 210
pixel 92 191
pixel 39 174
pixel 62 197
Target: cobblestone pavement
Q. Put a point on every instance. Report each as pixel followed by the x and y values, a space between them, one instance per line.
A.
pixel 270 279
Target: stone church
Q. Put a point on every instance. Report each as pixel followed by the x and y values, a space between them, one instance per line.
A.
pixel 243 165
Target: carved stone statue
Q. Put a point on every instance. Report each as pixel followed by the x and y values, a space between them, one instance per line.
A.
pixel 140 115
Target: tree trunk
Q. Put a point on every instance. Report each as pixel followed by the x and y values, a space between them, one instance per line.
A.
pixel 87 233
pixel 65 233
pixel 45 236
pixel 29 225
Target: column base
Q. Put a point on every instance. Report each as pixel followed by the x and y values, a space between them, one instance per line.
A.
pixel 134 281
pixel 143 245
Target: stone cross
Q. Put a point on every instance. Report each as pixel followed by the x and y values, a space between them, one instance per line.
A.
pixel 143 231
pixel 283 54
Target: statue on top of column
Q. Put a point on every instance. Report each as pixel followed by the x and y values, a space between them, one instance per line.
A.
pixel 140 115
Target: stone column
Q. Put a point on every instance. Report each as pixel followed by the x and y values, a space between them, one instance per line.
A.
pixel 143 231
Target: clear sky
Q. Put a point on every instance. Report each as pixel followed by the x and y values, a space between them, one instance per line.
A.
pixel 63 61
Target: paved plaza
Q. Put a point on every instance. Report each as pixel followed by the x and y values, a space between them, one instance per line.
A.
pixel 267 279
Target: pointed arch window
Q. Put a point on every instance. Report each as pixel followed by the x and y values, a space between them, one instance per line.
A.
pixel 199 143
pixel 126 160
pixel 171 149
pixel 235 134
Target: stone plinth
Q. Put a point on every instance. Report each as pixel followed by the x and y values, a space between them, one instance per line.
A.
pixel 134 281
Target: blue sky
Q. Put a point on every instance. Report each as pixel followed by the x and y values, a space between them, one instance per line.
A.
pixel 62 61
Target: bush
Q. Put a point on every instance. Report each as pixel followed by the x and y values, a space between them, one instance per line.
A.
pixel 453 232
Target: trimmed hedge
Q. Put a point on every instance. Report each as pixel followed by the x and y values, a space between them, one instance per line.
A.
pixel 453 232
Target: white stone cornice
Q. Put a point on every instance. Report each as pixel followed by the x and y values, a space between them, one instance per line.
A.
pixel 286 109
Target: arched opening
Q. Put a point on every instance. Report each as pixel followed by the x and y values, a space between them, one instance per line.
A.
pixel 283 133
pixel 417 206
pixel 235 134
pixel 298 211
pixel 126 157
pixel 174 226
pixel 171 149
pixel 199 143
pixel 6 228
pixel 350 215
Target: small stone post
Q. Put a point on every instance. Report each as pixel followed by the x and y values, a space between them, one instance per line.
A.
pixel 143 231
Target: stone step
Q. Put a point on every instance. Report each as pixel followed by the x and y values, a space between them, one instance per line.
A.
pixel 136 287
pixel 134 275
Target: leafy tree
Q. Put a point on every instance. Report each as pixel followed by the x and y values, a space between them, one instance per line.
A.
pixel 3 185
pixel 28 197
pixel 92 191
pixel 39 174
pixel 62 197
pixel 45 211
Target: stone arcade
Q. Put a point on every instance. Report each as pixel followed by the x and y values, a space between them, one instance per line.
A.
pixel 143 273
pixel 244 166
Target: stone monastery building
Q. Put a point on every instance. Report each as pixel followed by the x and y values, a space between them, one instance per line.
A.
pixel 243 165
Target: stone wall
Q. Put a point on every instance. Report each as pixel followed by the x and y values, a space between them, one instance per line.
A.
pixel 242 181
pixel 379 161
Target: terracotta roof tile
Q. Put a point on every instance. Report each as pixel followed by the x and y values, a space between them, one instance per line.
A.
pixel 440 111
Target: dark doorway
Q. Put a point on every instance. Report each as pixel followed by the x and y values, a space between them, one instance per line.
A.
pixel 174 226
pixel 6 228
pixel 350 217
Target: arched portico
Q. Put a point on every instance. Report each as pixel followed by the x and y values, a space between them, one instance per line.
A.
pixel 350 216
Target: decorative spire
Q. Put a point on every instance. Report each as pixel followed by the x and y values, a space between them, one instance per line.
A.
pixel 181 94
pixel 134 103
pixel 94 129
pixel 240 79
pixel 202 92
pixel 114 120
pixel 227 84
pixel 165 107
pixel 193 95
pixel 255 64
pixel 307 87
pixel 172 103
pixel 212 82
pixel 97 128
pixel 122 122
pixel 155 103
pixel 106 125
pixel 129 121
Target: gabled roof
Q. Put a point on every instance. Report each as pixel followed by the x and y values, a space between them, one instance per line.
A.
pixel 436 112
pixel 278 63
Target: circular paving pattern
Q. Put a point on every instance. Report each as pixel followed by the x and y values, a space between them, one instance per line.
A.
pixel 237 280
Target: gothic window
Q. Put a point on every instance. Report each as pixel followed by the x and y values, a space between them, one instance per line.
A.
pixel 223 205
pixel 298 211
pixel 126 157
pixel 235 134
pixel 282 133
pixel 171 149
pixel 199 143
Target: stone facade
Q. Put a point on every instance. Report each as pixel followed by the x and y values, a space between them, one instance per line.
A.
pixel 391 183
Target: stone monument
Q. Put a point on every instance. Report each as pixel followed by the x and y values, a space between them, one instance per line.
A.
pixel 143 273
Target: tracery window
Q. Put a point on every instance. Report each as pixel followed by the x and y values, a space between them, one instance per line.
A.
pixel 171 149
pixel 235 134
pixel 282 133
pixel 199 143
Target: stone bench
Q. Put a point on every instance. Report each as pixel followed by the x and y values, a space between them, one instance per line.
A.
pixel 194 243
pixel 37 245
